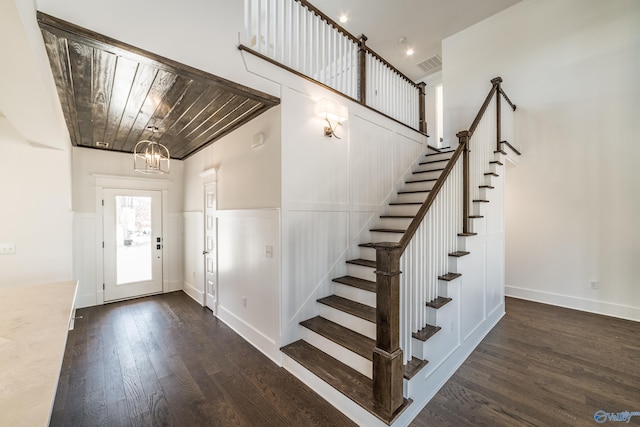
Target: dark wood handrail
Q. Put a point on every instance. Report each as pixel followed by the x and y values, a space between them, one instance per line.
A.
pixel 387 371
pixel 328 20
pixel 422 212
pixel 487 101
pixel 506 98
pixel 354 39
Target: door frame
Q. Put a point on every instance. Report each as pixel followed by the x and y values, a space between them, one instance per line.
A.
pixel 128 183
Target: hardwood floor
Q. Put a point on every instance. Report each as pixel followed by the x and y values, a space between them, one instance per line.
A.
pixel 543 366
pixel 164 360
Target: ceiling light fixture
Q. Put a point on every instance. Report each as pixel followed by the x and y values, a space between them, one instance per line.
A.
pixel 343 19
pixel 410 52
pixel 151 157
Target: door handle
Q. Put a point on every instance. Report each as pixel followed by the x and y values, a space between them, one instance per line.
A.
pixel 205 252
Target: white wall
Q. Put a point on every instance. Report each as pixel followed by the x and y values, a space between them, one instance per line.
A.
pixel 248 203
pixel 88 165
pixel 35 185
pixel 199 33
pixel 572 204
pixel 332 189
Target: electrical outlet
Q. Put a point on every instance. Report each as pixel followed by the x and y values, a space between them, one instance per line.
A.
pixel 7 248
pixel 269 251
pixel 593 284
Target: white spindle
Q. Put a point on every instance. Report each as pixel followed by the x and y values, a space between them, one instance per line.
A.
pixel 426 257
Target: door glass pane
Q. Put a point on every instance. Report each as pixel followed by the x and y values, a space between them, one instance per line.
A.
pixel 133 239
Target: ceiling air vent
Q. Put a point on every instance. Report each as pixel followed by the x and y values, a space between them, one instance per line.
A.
pixel 101 144
pixel 431 65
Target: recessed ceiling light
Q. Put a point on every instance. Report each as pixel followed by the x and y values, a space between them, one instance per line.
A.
pixel 410 52
pixel 343 18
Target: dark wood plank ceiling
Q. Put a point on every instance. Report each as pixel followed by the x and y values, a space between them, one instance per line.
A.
pixel 111 92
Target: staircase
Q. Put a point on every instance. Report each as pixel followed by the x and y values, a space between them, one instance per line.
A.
pixel 337 345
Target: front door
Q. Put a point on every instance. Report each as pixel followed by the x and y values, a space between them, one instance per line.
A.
pixel 132 243
pixel 210 251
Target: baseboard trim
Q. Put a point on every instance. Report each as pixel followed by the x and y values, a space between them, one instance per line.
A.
pixel 263 343
pixel 195 294
pixel 575 303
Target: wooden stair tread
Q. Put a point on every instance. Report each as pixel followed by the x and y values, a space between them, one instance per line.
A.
pixel 413 367
pixel 458 254
pixel 491 174
pixel 480 201
pixel 491 187
pixel 496 162
pixel 354 308
pixel 404 203
pixel 449 276
pixel 476 216
pixel 340 335
pixel 346 380
pixel 438 153
pixel 500 151
pixel 467 234
pixel 388 230
pixel 426 332
pixel 362 262
pixel 438 302
pixel 433 161
pixel 413 181
pixel 413 191
pixel 357 282
pixel 511 147
pixel 398 216
pixel 430 170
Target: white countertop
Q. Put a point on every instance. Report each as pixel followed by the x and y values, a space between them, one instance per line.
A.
pixel 34 322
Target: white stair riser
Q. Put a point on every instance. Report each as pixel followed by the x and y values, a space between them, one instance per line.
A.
pixel 418 186
pixel 438 156
pixel 403 209
pixel 430 166
pixel 379 236
pixel 349 358
pixel 347 320
pixel 424 175
pixel 478 225
pixel 362 272
pixel 355 294
pixel 445 288
pixel 411 197
pixel 401 223
pixel 479 208
pixel 436 348
pixel 485 193
pixel 367 253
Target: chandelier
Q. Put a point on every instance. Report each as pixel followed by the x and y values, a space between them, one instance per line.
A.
pixel 151 157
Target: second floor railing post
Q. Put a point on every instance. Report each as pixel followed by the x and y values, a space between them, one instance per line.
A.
pixel 422 123
pixel 387 355
pixel 463 138
pixel 362 70
pixel 496 82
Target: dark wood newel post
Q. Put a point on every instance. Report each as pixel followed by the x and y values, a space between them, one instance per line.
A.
pixel 421 107
pixel 362 70
pixel 387 356
pixel 463 138
pixel 496 82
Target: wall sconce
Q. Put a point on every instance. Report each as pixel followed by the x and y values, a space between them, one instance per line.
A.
pixel 331 111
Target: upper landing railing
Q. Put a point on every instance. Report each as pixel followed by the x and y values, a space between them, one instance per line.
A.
pixel 297 36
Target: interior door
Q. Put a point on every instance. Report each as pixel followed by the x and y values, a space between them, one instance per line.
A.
pixel 210 248
pixel 132 221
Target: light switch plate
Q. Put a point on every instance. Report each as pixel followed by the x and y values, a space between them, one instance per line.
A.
pixel 7 248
